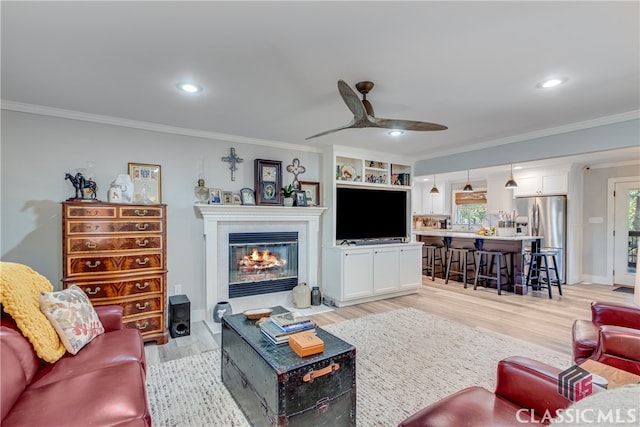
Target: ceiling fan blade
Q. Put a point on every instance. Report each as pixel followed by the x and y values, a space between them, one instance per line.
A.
pixel 350 98
pixel 351 124
pixel 407 124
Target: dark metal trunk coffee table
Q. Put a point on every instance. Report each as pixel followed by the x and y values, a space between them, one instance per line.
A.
pixel 274 386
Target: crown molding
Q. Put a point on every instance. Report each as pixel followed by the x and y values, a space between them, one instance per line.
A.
pixel 155 127
pixel 602 121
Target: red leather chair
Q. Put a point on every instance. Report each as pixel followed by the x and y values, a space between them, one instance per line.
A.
pixel 586 333
pixel 526 393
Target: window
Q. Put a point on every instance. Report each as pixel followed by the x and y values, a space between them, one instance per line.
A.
pixel 470 208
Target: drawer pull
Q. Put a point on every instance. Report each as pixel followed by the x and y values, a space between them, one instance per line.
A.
pixel 142 307
pixel 141 213
pixel 88 264
pixel 91 245
pixel 145 286
pixel 91 291
pixel 92 227
pixel 142 226
pixel 309 377
pixel 141 262
pixel 144 325
pixel 142 243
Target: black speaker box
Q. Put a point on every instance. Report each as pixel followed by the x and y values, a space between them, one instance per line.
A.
pixel 179 316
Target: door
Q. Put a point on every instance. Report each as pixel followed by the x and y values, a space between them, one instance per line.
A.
pixel 385 269
pixel 626 231
pixel 410 262
pixel 357 274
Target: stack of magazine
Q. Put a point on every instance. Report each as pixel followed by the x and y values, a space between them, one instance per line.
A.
pixel 279 326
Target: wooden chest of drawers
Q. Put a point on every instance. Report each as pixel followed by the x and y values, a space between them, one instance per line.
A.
pixel 117 254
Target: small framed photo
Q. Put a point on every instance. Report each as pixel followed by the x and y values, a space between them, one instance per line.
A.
pixel 237 200
pixel 147 183
pixel 301 198
pixel 247 196
pixel 215 196
pixel 227 197
pixel 312 191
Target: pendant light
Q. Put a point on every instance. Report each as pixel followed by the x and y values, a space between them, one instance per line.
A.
pixel 467 188
pixel 511 183
pixel 434 189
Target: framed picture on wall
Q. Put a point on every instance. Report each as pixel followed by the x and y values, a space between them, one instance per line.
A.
pixel 147 183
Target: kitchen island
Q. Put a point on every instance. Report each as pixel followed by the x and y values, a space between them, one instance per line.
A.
pixel 518 246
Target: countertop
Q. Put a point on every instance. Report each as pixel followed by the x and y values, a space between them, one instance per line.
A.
pixel 469 235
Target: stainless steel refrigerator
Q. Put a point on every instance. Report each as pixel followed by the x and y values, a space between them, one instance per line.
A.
pixel 547 218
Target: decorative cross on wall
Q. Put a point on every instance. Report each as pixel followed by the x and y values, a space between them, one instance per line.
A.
pixel 233 160
pixel 296 168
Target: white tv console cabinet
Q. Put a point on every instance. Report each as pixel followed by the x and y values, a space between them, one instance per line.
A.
pixel 357 274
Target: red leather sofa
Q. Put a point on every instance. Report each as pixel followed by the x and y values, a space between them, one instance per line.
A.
pixel 526 393
pixel 612 336
pixel 102 385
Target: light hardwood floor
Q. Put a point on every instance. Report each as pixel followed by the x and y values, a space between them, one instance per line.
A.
pixel 533 317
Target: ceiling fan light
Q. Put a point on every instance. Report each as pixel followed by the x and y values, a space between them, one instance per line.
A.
pixel 395 132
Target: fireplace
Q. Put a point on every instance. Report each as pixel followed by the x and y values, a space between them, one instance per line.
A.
pixel 262 263
pixel 221 221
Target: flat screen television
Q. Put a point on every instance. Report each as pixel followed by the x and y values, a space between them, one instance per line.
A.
pixel 364 213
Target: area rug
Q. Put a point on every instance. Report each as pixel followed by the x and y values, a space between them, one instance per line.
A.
pixel 624 289
pixel 406 359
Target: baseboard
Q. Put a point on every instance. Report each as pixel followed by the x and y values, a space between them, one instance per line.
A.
pixel 598 280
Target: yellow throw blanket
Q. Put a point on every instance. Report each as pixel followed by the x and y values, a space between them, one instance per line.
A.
pixel 19 289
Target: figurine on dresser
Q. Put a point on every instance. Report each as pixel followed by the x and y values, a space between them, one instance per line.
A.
pixel 79 182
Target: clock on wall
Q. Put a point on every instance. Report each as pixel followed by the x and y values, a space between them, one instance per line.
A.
pixel 268 176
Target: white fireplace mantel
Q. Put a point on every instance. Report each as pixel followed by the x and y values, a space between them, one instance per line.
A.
pixel 217 219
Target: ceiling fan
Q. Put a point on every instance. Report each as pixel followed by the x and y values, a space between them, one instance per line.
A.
pixel 363 116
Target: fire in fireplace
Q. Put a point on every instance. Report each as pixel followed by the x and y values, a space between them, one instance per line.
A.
pixel 261 263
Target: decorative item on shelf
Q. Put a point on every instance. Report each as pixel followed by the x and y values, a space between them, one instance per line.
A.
pixel 201 192
pixel 312 191
pixel 247 196
pixel 221 309
pixel 227 197
pixel 268 178
pixel 434 189
pixel 233 160
pixel 147 183
pixel 236 199
pixel 301 295
pixel 296 169
pixel 301 198
pixel 215 196
pixel 121 190
pixel 511 183
pixel 316 296
pixel 468 188
pixel 287 193
pixel 80 183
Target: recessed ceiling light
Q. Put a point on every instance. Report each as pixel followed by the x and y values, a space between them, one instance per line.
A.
pixel 189 87
pixel 552 82
pixel 517 167
pixel 395 132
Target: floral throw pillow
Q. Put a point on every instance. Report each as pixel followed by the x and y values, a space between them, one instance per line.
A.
pixel 72 315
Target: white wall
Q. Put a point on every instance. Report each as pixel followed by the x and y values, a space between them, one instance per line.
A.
pixel 37 150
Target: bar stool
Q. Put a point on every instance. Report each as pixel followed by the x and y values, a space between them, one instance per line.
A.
pixel 459 257
pixel 486 261
pixel 431 258
pixel 540 275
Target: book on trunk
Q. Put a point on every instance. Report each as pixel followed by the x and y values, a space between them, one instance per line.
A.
pixel 277 335
pixel 289 318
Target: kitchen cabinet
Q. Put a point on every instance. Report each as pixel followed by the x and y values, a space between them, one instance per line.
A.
pixel 542 185
pixel 498 197
pixel 352 275
pixel 433 203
